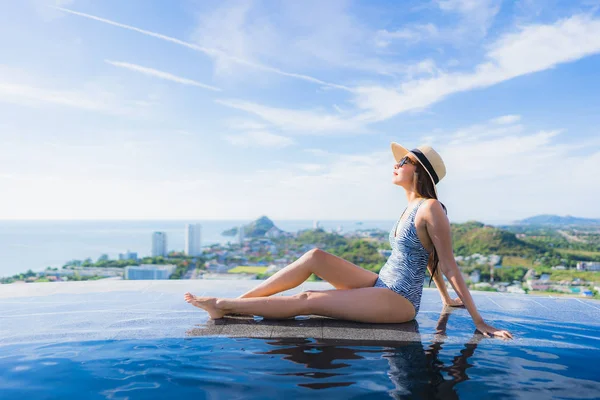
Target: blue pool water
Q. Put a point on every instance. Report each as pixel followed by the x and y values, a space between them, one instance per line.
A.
pixel 230 368
pixel 140 340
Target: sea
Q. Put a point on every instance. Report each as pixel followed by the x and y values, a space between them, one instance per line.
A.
pixel 37 245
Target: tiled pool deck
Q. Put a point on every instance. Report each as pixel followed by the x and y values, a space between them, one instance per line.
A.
pixel 113 310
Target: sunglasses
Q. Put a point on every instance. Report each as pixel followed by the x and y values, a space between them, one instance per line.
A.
pixel 404 160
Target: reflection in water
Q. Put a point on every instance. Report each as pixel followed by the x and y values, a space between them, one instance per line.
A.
pixel 418 371
pixel 413 369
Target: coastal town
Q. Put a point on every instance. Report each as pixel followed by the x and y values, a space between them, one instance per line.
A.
pixel 260 249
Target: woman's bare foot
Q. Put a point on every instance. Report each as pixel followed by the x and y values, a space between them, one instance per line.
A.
pixel 206 303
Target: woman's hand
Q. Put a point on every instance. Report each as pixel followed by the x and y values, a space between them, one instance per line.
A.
pixel 457 302
pixel 489 331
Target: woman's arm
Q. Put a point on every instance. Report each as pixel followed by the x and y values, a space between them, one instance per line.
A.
pixel 441 285
pixel 438 228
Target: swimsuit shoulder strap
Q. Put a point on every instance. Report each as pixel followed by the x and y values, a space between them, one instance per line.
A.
pixel 414 210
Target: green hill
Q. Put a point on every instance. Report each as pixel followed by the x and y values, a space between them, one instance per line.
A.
pixel 474 237
pixel 556 220
pixel 257 228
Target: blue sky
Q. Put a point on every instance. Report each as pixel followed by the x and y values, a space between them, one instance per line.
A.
pixel 232 110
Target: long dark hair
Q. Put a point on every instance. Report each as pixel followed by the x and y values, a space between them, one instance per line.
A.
pixel 423 185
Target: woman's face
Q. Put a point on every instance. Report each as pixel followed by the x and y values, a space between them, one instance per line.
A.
pixel 404 170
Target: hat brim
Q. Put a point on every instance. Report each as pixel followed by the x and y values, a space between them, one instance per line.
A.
pixel 400 151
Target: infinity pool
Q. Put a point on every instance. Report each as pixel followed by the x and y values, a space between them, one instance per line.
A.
pixel 133 340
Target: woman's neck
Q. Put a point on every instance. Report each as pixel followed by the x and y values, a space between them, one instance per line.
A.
pixel 412 197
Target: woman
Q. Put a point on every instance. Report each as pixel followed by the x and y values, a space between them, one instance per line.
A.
pixel 419 240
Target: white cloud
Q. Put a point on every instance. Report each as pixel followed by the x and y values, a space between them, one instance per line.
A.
pixel 533 48
pixel 298 121
pixel 211 52
pixel 478 132
pixel 409 35
pixel 506 119
pixel 18 87
pixel 311 167
pixel 476 15
pixel 494 178
pixel 496 168
pixel 304 35
pixel 29 95
pixel 228 29
pixel 46 8
pixel 244 124
pixel 161 75
pixel 259 138
pixel 512 175
pixel 318 152
pixel 93 99
pixel 470 21
pixel 8 176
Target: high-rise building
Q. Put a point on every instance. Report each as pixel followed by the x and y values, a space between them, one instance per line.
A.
pixel 192 239
pixel 159 244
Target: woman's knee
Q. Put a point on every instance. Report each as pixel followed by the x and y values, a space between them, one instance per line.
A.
pixel 304 299
pixel 316 254
pixel 304 295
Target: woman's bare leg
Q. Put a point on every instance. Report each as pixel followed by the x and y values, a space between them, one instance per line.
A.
pixel 338 272
pixel 376 305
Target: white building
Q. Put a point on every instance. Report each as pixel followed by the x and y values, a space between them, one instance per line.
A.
pixel 128 255
pixel 192 239
pixel 515 289
pixel 149 271
pixel 588 266
pixel 494 259
pixel 159 244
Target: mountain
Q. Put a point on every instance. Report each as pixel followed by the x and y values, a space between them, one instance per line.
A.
pixel 557 220
pixel 474 237
pixel 257 228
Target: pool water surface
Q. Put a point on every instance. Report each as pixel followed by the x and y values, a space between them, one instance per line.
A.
pixel 64 346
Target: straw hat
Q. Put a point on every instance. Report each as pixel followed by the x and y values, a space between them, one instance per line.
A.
pixel 429 159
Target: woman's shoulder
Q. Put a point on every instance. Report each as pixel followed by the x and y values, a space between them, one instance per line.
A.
pixel 431 204
pixel 432 208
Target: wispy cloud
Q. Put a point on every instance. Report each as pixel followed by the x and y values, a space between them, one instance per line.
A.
pixel 318 152
pixel 260 139
pixel 469 21
pixel 500 172
pixel 506 119
pixel 310 34
pixel 492 128
pixel 30 95
pixel 94 96
pixel 18 86
pixel 533 48
pixel 410 34
pixel 161 75
pixel 298 121
pixel 244 124
pixel 477 15
pixel 311 167
pixel 212 52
